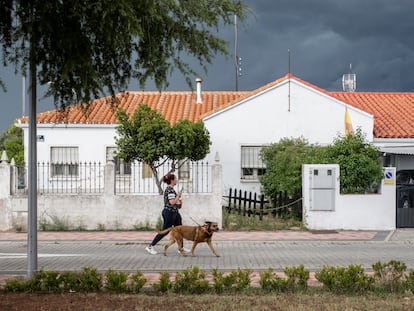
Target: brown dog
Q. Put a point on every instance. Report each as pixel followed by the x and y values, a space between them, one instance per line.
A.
pixel 196 234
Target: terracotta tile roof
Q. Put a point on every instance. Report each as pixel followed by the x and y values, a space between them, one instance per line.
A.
pixel 174 106
pixel 393 112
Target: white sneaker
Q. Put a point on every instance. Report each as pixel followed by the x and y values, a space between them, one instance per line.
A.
pixel 151 249
pixel 185 250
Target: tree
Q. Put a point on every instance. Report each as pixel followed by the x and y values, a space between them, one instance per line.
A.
pixel 87 48
pixel 359 161
pixel 91 47
pixel 147 137
pixel 284 161
pixel 12 142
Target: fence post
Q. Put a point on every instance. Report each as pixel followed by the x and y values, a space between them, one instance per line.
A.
pixel 229 206
pixel 244 203
pixel 239 205
pixel 235 200
pixel 5 187
pixel 109 184
pixel 218 188
pixel 254 204
pixel 250 204
pixel 261 206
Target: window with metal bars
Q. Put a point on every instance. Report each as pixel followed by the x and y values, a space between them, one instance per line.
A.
pixel 64 161
pixel 252 166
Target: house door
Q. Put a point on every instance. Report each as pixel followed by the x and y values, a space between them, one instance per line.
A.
pixel 405 206
pixel 405 216
pixel 405 198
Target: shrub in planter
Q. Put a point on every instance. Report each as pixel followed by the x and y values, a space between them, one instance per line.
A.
pixel 191 281
pixel 351 279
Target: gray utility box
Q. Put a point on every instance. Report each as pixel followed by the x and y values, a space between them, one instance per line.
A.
pixel 322 188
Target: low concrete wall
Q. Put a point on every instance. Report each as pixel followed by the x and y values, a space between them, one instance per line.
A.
pixel 351 211
pixel 107 211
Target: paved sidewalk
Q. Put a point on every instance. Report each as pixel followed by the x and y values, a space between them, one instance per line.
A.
pixel 125 251
pixel 284 235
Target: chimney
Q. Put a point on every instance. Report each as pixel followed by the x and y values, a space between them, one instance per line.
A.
pixel 198 83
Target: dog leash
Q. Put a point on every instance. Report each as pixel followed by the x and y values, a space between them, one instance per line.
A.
pixel 195 222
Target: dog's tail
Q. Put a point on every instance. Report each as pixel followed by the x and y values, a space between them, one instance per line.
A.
pixel 164 231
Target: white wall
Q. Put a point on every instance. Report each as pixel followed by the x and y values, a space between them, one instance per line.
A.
pixel 351 211
pixel 111 211
pixel 267 117
pixel 5 206
pixel 92 140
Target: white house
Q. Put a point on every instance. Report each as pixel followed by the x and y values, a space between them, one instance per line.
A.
pixel 240 123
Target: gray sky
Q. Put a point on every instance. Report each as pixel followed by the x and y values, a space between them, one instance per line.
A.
pixel 324 37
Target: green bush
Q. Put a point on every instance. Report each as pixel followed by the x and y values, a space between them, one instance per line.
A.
pixel 270 281
pixel 164 284
pixel 409 281
pixel 14 285
pixel 137 282
pixel 191 281
pixel 390 276
pixel 234 281
pixel 359 162
pixel 297 277
pixel 116 281
pixel 90 280
pixel 284 164
pixel 351 279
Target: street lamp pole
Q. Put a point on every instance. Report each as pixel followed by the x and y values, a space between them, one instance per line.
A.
pixel 32 200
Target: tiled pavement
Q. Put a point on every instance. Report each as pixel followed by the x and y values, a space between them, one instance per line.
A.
pixel 291 235
pixel 124 251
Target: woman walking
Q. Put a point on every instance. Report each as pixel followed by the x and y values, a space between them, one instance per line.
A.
pixel 170 213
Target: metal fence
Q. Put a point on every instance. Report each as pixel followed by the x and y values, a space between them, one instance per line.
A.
pixel 89 177
pixel 194 177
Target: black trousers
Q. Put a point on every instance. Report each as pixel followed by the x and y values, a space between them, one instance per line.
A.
pixel 170 218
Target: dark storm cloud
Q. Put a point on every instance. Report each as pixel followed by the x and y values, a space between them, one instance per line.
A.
pixel 324 36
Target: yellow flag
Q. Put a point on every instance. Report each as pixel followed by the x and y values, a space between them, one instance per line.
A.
pixel 348 124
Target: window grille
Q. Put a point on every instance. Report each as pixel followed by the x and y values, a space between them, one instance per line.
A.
pixel 64 161
pixel 252 166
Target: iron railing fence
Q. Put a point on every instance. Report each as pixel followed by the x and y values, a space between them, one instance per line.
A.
pixel 89 177
pixel 193 177
pixel 86 177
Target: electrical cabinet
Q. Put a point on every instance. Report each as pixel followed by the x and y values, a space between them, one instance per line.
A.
pixel 322 188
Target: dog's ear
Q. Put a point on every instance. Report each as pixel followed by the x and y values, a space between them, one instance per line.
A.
pixel 208 223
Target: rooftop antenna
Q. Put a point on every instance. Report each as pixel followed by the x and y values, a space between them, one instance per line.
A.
pixel 349 81
pixel 237 59
pixel 289 80
pixel 23 95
